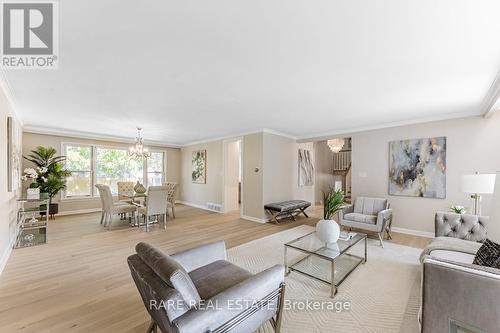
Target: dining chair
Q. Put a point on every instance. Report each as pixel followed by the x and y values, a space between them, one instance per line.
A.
pixel 172 194
pixel 124 189
pixel 156 205
pixel 109 207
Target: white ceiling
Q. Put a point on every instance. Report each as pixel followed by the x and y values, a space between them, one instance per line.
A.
pixel 192 70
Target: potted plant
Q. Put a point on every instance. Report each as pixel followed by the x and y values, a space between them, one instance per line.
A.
pixel 458 209
pixel 51 175
pixel 327 229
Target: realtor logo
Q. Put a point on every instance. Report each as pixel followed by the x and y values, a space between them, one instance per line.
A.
pixel 29 34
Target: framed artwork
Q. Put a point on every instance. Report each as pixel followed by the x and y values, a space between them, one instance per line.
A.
pixel 417 168
pixel 199 163
pixel 14 155
pixel 306 168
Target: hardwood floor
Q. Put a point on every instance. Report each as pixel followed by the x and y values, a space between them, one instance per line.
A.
pixel 80 282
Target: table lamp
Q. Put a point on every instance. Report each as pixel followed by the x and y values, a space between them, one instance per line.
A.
pixel 476 185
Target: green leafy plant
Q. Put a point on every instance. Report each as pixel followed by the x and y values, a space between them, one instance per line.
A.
pixel 51 176
pixel 333 201
pixel 458 209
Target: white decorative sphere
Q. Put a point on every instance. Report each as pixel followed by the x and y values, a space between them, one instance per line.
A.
pixel 328 231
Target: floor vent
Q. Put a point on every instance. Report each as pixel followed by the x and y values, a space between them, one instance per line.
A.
pixel 214 206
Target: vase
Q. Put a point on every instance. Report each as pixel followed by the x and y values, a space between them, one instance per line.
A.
pixel 33 193
pixel 139 188
pixel 328 231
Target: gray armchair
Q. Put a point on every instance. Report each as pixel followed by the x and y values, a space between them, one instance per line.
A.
pixel 368 214
pixel 199 291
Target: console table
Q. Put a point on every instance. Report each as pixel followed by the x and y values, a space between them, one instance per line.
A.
pixel 31 224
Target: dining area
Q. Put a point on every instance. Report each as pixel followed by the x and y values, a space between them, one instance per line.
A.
pixel 141 207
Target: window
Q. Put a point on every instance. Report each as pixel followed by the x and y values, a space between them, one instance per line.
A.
pixel 79 162
pixel 155 168
pixel 92 165
pixel 114 165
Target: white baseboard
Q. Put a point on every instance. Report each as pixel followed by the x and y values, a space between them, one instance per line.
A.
pixel 79 211
pixel 412 232
pixel 5 257
pixel 190 204
pixel 253 219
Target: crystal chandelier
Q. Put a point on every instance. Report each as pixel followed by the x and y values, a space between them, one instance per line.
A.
pixel 138 150
pixel 336 145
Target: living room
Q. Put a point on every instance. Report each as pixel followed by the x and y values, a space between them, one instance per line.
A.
pixel 248 167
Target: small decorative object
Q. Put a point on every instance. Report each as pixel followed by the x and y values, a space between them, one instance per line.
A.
pixel 458 209
pixel 32 174
pixel 199 163
pixel 336 145
pixel 139 188
pixel 476 185
pixel 306 168
pixel 33 193
pixel 138 150
pixel 328 230
pixel 417 168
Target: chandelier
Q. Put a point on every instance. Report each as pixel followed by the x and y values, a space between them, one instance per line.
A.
pixel 336 145
pixel 138 150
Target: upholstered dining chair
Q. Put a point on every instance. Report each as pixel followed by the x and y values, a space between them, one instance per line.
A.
pixel 172 195
pixel 199 291
pixel 125 188
pixel 109 207
pixel 156 205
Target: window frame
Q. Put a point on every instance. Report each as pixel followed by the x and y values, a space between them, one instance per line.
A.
pixel 93 167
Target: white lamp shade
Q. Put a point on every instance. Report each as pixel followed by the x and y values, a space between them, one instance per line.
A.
pixel 482 184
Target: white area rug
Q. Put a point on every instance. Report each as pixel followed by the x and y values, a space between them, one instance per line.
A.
pixel 383 293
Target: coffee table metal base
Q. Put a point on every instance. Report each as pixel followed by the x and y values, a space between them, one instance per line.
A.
pixel 349 262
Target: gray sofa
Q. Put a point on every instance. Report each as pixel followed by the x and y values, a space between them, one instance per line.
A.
pixel 198 290
pixel 462 226
pixel 369 214
pixel 455 291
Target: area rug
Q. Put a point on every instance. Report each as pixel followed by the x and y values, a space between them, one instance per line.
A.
pixel 379 296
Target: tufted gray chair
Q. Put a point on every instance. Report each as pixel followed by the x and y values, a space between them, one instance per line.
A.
pixel 462 226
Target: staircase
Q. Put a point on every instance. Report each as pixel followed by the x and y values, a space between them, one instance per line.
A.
pixel 342 167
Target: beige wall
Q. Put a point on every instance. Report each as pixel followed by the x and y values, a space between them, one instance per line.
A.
pixel 472 145
pixel 252 187
pixel 32 140
pixel 8 204
pixel 201 194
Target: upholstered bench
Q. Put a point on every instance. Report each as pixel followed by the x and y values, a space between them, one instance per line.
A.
pixel 287 208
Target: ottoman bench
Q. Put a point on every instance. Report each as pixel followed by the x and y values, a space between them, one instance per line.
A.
pixel 286 208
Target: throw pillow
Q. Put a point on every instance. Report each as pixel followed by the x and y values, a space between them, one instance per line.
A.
pixel 488 255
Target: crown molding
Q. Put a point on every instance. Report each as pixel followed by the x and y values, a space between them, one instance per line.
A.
pixel 491 102
pixel 7 91
pixel 329 135
pixel 93 136
pixel 240 134
pixel 285 135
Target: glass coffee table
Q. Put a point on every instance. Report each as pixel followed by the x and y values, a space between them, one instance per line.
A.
pixel 329 263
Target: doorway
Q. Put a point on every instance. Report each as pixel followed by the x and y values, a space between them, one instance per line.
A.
pixel 232 180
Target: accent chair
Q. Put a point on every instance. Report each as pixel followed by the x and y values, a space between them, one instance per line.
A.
pixel 368 214
pixel 198 290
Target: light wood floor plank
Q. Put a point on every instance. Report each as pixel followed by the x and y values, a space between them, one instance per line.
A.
pixel 80 282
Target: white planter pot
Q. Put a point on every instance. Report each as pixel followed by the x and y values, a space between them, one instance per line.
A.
pixel 328 231
pixel 33 193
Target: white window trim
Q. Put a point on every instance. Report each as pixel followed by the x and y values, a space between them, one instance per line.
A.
pixel 93 164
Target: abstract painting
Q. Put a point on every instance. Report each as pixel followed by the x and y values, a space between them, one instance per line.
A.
pixel 306 168
pixel 199 162
pixel 14 154
pixel 417 168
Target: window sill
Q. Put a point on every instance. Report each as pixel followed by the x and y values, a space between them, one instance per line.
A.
pixel 79 199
